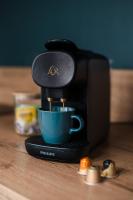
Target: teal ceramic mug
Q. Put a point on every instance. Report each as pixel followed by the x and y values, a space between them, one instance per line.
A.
pixel 56 125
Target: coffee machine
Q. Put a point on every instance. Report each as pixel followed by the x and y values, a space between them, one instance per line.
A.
pixel 73 77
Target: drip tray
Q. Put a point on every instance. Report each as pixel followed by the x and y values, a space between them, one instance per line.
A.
pixel 70 152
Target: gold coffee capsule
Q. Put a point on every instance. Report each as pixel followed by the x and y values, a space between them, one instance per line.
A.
pixel 85 163
pixel 109 169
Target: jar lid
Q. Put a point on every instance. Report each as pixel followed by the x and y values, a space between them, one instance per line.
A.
pixel 20 96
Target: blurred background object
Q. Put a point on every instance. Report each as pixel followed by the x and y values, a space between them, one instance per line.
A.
pixel 26 114
pixel 101 26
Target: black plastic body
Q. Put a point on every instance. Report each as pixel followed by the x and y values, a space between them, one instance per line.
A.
pixel 88 92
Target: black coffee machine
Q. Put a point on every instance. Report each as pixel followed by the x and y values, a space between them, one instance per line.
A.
pixel 77 78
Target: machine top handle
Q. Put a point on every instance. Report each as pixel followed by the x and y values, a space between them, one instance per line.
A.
pixel 61 44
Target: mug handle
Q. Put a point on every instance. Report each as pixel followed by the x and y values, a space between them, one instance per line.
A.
pixel 81 124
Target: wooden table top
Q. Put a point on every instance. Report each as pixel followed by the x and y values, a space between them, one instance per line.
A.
pixel 25 177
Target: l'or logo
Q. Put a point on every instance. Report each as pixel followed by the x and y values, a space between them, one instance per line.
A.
pixel 53 71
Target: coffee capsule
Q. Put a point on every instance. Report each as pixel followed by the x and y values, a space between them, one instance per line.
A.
pixel 85 163
pixel 109 169
pixel 93 175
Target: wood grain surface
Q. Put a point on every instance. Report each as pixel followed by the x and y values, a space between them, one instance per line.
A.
pixel 25 177
pixel 20 79
pixel 15 80
pixel 122 95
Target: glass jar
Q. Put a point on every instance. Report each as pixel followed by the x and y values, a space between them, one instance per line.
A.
pixel 26 119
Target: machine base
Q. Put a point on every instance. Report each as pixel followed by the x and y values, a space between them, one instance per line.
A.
pixel 70 152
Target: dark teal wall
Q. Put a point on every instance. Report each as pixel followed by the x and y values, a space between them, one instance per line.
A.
pixel 105 26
